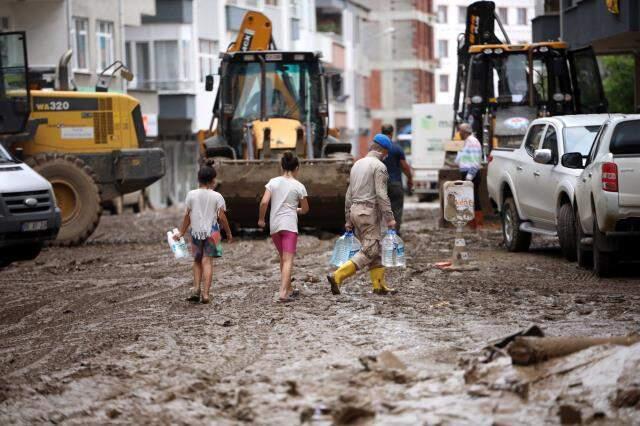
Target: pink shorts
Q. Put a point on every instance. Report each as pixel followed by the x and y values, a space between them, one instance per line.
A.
pixel 285 241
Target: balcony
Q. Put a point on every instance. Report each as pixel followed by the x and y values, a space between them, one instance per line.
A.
pixel 165 87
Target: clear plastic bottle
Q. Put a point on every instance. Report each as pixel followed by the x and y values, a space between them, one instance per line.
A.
pixel 388 249
pixel 346 246
pixel 179 248
pixel 393 250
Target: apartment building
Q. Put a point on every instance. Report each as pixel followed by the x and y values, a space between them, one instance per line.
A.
pixel 516 16
pixel 399 46
pixel 93 29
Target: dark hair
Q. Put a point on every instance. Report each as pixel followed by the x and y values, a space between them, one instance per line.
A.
pixel 387 129
pixel 206 175
pixel 289 161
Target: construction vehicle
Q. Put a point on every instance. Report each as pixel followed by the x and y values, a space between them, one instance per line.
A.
pixel 501 87
pixel 269 101
pixel 29 216
pixel 89 145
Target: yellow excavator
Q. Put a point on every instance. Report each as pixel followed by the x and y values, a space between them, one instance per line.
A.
pixel 501 87
pixel 89 145
pixel 270 101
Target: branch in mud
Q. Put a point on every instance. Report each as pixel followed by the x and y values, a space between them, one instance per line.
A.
pixel 531 350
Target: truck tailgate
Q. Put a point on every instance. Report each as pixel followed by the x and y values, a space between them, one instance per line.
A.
pixel 628 180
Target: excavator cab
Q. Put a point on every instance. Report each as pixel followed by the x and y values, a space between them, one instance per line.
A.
pixel 272 101
pixel 14 89
pixel 504 86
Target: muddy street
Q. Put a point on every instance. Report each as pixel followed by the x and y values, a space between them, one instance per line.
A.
pixel 102 333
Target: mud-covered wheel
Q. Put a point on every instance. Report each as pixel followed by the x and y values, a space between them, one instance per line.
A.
pixel 584 255
pixel 567 232
pixel 603 261
pixel 514 238
pixel 77 195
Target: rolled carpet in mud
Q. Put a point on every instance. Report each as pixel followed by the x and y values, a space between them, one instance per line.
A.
pixel 531 350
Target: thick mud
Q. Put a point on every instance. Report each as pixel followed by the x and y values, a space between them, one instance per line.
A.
pixel 102 334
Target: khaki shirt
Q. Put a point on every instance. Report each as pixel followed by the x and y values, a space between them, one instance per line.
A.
pixel 368 184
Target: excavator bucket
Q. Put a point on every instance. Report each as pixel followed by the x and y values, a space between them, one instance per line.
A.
pixel 242 183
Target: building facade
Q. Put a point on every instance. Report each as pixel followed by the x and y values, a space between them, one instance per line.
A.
pixel 399 47
pixel 451 16
pixel 93 29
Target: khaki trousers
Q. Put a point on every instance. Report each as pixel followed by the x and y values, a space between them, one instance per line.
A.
pixel 365 219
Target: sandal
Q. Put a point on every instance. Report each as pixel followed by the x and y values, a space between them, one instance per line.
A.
pixel 287 299
pixel 194 297
pixel 205 301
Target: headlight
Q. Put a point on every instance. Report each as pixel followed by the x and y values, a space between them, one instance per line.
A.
pixel 476 99
pixel 498 51
pixel 558 97
pixel 487 51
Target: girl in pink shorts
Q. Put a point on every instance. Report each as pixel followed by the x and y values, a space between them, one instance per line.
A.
pixel 288 198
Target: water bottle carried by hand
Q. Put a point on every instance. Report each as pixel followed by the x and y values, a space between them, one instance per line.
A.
pixel 346 247
pixel 393 250
pixel 179 248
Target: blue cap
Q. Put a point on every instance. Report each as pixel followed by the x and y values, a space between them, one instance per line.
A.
pixel 383 141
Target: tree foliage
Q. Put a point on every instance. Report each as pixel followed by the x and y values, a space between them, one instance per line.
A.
pixel 618 79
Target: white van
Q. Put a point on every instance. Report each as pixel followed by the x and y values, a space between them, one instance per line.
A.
pixel 28 213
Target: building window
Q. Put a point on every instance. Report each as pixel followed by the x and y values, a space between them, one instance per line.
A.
pixel 79 39
pixel 444 83
pixel 462 14
pixel 443 48
pixel 295 30
pixel 104 35
pixel 442 14
pixel 186 62
pixel 166 66
pixel 503 13
pixel 206 55
pixel 271 2
pixel 4 23
pixel 522 16
pixel 143 63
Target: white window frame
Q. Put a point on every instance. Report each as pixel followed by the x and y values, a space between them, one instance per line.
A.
pixel 526 16
pixel 446 76
pixel 462 17
pixel 505 18
pixel 445 43
pixel 74 43
pixel 109 37
pixel 206 58
pixel 445 9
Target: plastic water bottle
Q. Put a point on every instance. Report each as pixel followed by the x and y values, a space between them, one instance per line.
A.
pixel 179 248
pixel 346 247
pixel 393 250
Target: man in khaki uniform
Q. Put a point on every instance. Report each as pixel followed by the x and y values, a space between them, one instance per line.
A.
pixel 367 207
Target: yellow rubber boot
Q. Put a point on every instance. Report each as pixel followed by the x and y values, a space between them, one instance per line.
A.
pixel 378 281
pixel 341 274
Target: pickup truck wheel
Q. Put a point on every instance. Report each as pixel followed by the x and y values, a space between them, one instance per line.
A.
pixel 584 256
pixel 514 238
pixel 567 232
pixel 602 260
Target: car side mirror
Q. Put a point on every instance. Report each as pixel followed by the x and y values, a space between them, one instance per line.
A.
pixel 208 83
pixel 572 160
pixel 542 156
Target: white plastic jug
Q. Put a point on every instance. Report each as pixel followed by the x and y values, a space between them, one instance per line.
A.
pixel 393 250
pixel 179 248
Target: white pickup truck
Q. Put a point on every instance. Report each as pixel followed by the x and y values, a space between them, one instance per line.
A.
pixel 532 190
pixel 608 195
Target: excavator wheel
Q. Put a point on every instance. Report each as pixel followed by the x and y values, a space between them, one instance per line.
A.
pixel 77 195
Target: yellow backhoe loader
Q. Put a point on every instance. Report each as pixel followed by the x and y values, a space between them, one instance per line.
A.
pixel 269 101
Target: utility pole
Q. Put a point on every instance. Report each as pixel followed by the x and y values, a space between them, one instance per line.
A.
pixel 123 48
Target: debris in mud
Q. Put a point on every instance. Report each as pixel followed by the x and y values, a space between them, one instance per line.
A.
pixel 113 413
pixel 531 350
pixel 628 397
pixel 569 415
pixel 292 387
pixel 351 409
